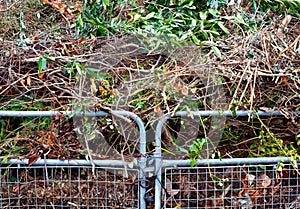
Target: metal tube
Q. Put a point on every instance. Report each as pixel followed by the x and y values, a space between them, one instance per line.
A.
pixel 140 124
pixel 158 161
pixel 227 113
pixel 203 113
pixel 227 161
pixel 57 162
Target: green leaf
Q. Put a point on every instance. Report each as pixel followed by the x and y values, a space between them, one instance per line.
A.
pixel 217 52
pixel 213 12
pixel 195 39
pixel 194 22
pixel 42 64
pixel 221 25
pixel 193 162
pixel 203 15
pixel 183 150
pixel 105 2
pixel 5 159
pixel 150 15
pixel 136 17
pixel 93 73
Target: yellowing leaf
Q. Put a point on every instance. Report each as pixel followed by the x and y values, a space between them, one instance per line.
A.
pixel 28 81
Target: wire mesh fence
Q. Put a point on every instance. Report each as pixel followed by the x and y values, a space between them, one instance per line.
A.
pixel 67 187
pixel 228 186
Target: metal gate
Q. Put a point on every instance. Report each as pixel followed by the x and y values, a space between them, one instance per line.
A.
pixel 66 185
pixel 238 183
pixel 227 183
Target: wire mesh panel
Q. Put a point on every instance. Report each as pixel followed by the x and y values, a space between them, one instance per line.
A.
pixel 67 187
pixel 228 186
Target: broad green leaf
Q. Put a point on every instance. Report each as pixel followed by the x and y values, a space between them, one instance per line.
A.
pixel 106 2
pixel 195 39
pixel 136 17
pixel 150 15
pixel 42 64
pixel 203 15
pixel 221 25
pixel 194 22
pixel 217 52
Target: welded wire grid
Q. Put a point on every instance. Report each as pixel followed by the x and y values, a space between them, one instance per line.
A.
pixel 68 187
pixel 245 187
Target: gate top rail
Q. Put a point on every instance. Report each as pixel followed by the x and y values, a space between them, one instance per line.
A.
pixel 140 124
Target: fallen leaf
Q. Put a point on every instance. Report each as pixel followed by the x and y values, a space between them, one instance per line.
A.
pixel 286 21
pixel 28 81
pixel 157 108
pixel 176 86
pixel 185 90
pixel 33 158
pixel 23 82
pixel 283 79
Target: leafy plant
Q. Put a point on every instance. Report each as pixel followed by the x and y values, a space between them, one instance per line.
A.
pixel 100 18
pixel 195 150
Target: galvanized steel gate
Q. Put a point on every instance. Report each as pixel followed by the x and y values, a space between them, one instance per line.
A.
pixel 229 183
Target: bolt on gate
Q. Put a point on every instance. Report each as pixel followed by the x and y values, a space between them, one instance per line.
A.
pixel 272 182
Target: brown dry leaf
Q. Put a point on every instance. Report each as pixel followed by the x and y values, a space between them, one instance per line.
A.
pixel 28 81
pixel 80 40
pixel 283 79
pixel 157 108
pixel 93 86
pixel 275 189
pixel 33 158
pixel 286 21
pixel 35 39
pixel 185 90
pixel 176 86
pixel 23 81
pixel 41 75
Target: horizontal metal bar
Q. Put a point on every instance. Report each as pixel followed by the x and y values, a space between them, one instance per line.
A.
pixel 203 113
pixel 165 163
pixel 240 113
pixel 57 162
pixel 227 161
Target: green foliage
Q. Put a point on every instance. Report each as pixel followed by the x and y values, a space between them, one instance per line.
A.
pixel 279 6
pixel 101 17
pixel 180 20
pixel 195 150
